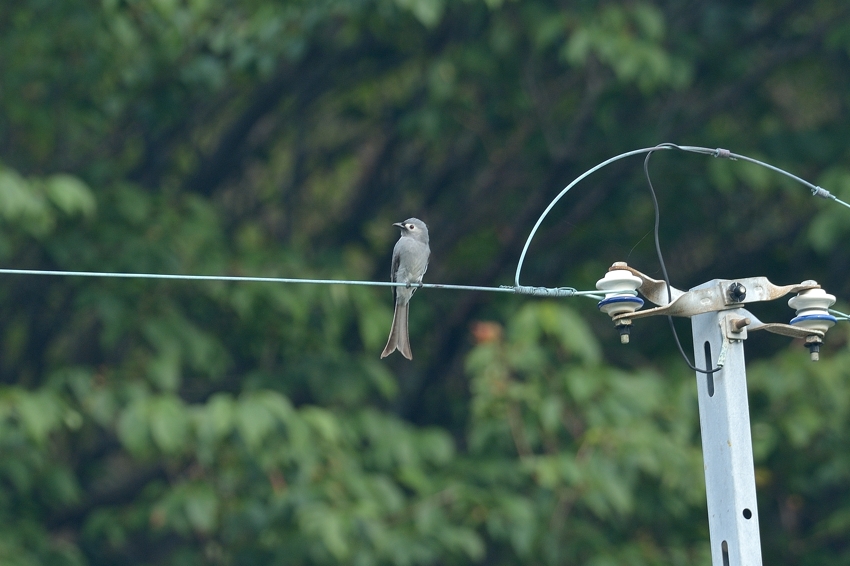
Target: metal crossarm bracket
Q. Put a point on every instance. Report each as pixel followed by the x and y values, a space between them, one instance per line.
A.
pixel 720 325
pixel 720 294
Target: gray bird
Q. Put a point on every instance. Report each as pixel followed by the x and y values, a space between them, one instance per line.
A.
pixel 410 260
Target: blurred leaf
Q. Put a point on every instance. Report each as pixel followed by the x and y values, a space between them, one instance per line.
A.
pixel 428 12
pixel 70 195
pixel 202 508
pixel 323 422
pixel 134 427
pixel 254 419
pixel 21 203
pixel 40 413
pixel 169 423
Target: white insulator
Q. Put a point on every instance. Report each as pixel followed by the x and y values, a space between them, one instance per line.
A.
pixel 620 288
pixel 811 299
pixel 811 307
pixel 618 281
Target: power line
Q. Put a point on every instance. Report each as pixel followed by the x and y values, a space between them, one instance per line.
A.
pixel 520 290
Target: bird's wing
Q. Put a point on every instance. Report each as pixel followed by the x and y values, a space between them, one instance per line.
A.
pixel 394 268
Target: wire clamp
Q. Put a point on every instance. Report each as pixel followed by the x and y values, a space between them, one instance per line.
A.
pixel 822 193
pixel 542 291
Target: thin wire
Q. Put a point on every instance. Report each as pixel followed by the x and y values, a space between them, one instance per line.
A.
pixel 522 290
pixel 839 315
pixel 839 201
pixel 664 270
pixel 816 190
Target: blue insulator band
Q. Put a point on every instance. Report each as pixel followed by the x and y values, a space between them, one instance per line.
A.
pixel 619 299
pixel 805 317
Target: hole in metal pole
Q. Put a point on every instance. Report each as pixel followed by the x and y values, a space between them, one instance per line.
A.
pixel 748 514
pixel 725 548
pixel 709 377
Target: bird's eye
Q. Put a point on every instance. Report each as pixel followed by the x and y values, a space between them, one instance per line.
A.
pixel 411 227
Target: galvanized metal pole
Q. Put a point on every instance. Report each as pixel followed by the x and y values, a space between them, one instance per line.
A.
pixel 726 440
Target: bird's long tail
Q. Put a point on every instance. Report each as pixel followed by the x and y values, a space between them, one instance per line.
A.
pixel 399 338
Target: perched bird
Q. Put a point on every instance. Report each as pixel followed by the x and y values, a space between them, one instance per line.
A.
pixel 410 260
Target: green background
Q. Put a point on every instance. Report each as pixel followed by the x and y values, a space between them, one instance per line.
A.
pixel 168 422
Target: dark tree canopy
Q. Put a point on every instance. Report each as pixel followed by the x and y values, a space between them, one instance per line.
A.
pixel 173 422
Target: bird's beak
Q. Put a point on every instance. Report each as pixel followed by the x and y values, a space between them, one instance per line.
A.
pixel 399 225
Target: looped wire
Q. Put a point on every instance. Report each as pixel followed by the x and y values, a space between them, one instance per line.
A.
pixel 718 152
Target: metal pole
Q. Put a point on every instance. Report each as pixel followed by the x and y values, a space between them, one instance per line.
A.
pixel 727 449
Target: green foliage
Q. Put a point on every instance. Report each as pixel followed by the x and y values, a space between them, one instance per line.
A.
pixel 171 422
pixel 628 38
pixel 829 229
pixel 35 204
pixel 572 446
pixel 802 421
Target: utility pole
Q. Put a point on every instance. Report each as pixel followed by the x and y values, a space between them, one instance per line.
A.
pixel 720 325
